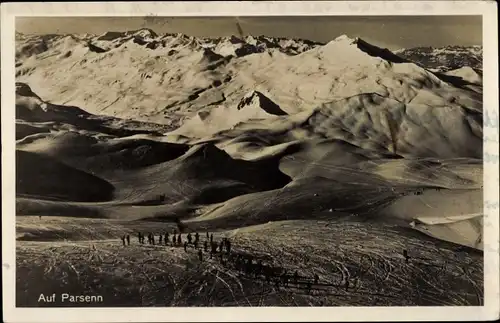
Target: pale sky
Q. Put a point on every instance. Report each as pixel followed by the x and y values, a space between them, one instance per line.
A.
pixel 393 32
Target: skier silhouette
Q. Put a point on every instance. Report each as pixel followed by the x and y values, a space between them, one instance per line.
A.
pixel 405 254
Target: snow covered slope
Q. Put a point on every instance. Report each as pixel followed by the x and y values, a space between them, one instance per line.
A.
pixel 233 124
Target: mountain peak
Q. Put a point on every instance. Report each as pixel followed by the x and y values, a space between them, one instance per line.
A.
pixel 143 32
pixel 258 100
pixel 346 46
pixel 345 38
pixel 342 42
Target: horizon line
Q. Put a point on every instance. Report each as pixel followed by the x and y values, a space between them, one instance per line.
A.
pixel 158 34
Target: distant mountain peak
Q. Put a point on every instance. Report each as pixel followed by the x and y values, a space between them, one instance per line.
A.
pixel 259 100
pixel 354 46
pixel 210 55
pixel 143 32
pixel 345 38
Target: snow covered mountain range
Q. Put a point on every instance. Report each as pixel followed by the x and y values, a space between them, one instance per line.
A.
pixel 446 58
pixel 176 79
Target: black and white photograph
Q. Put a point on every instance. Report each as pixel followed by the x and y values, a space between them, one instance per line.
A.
pixel 251 161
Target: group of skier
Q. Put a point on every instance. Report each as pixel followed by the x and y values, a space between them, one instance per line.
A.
pixel 165 238
pixel 240 262
pixel 268 272
pixel 176 239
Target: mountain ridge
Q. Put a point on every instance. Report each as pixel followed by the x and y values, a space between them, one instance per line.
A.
pixel 169 78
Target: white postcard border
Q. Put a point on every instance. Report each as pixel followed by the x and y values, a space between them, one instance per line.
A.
pixel 358 8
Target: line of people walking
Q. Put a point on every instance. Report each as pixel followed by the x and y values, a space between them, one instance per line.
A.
pixel 241 262
pixel 191 240
pixel 278 276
